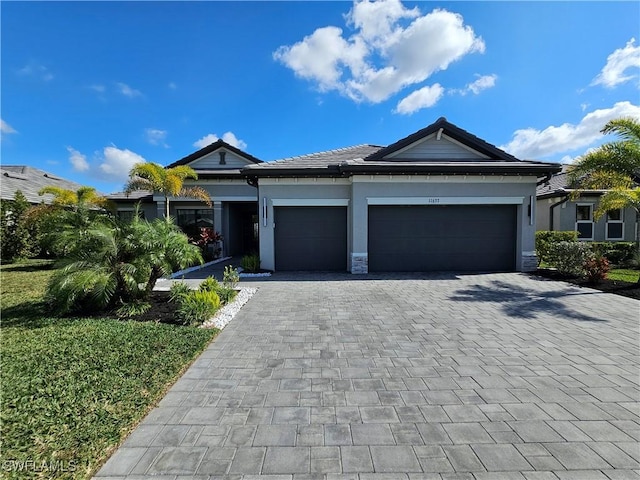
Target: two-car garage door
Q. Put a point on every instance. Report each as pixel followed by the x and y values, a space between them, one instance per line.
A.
pixel 415 238
pixel 420 238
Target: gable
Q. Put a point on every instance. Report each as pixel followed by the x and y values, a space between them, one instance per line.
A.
pixel 211 161
pixel 436 147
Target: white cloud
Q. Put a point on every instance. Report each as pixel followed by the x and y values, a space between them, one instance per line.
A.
pixel 382 57
pixel 97 88
pixel 6 128
pixel 532 143
pixel 78 160
pixel 482 83
pixel 228 137
pixel 127 91
pixel 117 163
pixel 172 86
pixel 622 59
pixel 36 70
pixel 423 98
pixel 156 137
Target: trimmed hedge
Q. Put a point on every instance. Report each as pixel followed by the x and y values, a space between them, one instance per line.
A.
pixel 546 241
pixel 617 253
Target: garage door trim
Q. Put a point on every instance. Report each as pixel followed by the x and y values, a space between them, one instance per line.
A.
pixel 310 202
pixel 445 200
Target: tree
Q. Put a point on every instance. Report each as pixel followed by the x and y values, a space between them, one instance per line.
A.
pixel 614 167
pixel 18 239
pixel 115 264
pixel 167 181
pixel 84 197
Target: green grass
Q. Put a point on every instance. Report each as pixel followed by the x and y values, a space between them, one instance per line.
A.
pixel 624 275
pixel 73 388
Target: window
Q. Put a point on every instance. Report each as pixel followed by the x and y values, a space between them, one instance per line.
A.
pixel 615 225
pixel 584 221
pixel 127 215
pixel 192 220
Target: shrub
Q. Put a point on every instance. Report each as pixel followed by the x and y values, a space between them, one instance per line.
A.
pixel 545 241
pixel 230 277
pixel 570 257
pixel 596 269
pixel 133 309
pixel 209 284
pixel 250 263
pixel 197 306
pixel 18 238
pixel 618 253
pixel 177 290
pixel 226 294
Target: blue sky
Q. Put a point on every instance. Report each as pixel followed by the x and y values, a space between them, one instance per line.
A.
pixel 89 88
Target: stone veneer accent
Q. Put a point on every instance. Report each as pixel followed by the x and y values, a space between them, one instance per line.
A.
pixel 359 263
pixel 529 261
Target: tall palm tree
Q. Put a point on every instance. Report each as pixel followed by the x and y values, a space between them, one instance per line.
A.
pixel 614 167
pixel 167 181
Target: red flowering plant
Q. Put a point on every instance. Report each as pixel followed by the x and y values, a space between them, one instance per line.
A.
pixel 209 242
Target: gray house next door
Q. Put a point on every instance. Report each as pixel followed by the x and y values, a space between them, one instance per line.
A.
pixel 311 238
pixel 465 238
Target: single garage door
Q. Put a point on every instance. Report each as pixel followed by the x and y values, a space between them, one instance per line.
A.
pixel 311 238
pixel 465 238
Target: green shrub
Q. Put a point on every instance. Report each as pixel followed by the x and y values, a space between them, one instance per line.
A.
pixel 250 263
pixel 197 306
pixel 133 309
pixel 569 258
pixel 230 277
pixel 226 294
pixel 177 290
pixel 545 241
pixel 18 239
pixel 209 284
pixel 596 269
pixel 618 253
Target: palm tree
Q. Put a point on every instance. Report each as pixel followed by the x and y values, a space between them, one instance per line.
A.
pixel 614 167
pixel 167 181
pixel 84 197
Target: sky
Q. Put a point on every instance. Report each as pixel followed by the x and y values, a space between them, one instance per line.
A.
pixel 90 88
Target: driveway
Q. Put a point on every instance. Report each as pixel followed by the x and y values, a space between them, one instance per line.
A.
pixel 497 376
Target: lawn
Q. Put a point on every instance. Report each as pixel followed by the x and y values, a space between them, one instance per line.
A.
pixel 624 275
pixel 73 388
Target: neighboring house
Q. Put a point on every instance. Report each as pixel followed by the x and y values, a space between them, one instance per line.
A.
pixel 30 181
pixel 440 199
pixel 557 210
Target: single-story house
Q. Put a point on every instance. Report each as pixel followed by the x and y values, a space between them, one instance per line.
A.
pixel 440 199
pixel 558 210
pixel 30 181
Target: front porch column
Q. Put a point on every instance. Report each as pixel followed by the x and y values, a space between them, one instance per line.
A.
pixel 160 206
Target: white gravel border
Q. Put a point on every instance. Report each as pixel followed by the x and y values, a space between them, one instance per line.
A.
pixel 242 274
pixel 226 313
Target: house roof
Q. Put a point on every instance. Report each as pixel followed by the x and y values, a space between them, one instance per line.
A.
pixel 30 181
pixel 371 159
pixel 452 131
pixel 212 148
pixel 135 196
pixel 556 186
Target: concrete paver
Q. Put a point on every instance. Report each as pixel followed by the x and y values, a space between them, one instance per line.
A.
pixel 408 376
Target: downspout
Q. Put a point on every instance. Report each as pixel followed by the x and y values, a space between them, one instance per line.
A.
pixel 564 200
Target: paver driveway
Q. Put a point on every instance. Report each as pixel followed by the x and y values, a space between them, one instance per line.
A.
pixel 467 377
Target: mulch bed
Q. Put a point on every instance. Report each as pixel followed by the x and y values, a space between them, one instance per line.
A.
pixel 618 287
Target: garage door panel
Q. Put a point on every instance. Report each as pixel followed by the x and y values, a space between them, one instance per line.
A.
pixel 442 238
pixel 311 238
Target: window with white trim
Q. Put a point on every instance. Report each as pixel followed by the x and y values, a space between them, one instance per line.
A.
pixel 615 225
pixel 191 220
pixel 584 221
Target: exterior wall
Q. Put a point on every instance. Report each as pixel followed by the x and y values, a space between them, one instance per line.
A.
pixel 301 192
pixel 566 214
pixel 360 191
pixel 149 209
pixel 212 161
pixel 430 148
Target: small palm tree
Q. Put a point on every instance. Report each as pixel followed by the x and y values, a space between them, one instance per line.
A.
pixel 167 181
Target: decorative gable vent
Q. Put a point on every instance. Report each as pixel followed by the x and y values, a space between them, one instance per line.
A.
pixel 222 157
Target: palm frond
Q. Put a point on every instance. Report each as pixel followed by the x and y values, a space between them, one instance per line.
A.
pixel 627 128
pixel 183 172
pixel 196 192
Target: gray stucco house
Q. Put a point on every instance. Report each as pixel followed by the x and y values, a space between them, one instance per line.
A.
pixel 557 210
pixel 440 199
